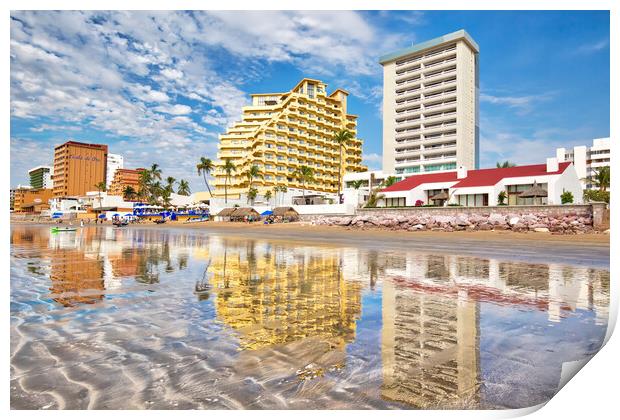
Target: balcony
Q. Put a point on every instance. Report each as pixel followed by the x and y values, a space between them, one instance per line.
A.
pixel 403 104
pixel 441 157
pixel 439 64
pixel 439 53
pixel 409 69
pixel 408 123
pixel 450 94
pixel 432 87
pixel 409 111
pixel 440 116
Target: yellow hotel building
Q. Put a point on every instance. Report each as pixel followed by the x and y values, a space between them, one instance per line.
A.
pixel 280 132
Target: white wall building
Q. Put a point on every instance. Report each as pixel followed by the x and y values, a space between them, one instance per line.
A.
pixel 587 159
pixel 481 187
pixel 357 197
pixel 114 162
pixel 430 106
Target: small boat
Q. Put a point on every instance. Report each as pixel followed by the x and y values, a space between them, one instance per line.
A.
pixel 64 229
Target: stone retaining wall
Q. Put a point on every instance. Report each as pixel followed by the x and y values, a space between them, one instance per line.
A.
pixel 551 218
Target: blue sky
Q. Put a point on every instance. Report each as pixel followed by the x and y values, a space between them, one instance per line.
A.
pixel 160 86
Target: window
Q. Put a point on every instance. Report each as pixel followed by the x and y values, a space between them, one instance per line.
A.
pixel 514 191
pixel 473 200
pixel 395 202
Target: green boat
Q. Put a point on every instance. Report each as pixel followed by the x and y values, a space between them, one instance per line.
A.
pixel 63 229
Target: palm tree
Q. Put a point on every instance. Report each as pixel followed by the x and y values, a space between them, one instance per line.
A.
pixel 229 168
pixel 144 183
pixel 129 192
pixel 341 138
pixel 101 186
pixel 267 195
pixel 357 184
pixel 204 167
pixel 601 178
pixel 389 181
pixel 183 188
pixel 505 164
pixel 304 174
pixel 155 171
pixel 252 193
pixel 166 193
pixel 156 192
pixel 250 174
pixel 170 182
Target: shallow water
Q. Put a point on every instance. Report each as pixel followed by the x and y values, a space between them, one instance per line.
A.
pixel 155 318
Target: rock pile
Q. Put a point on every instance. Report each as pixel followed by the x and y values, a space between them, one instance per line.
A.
pixel 535 222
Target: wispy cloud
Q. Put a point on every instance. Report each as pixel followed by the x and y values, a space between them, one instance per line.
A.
pixel 372 160
pixel 50 127
pixel 523 103
pixel 592 47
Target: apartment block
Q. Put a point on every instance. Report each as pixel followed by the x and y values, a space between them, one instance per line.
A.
pixel 430 106
pixel 124 178
pixel 41 177
pixel 280 132
pixel 78 168
pixel 31 200
pixel 587 159
pixel 114 162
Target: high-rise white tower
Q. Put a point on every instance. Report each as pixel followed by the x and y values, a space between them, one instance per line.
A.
pixel 430 106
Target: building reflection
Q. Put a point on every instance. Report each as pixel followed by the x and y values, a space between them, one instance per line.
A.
pixel 274 294
pixel 431 311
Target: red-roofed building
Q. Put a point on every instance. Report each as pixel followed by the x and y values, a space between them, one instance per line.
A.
pixel 481 187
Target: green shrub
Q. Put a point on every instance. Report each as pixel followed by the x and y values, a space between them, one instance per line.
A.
pixel 501 198
pixel 454 205
pixel 566 197
pixel 596 195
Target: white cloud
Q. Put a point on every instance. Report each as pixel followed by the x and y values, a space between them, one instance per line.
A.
pixel 523 103
pixel 176 109
pixel 50 127
pixel 374 161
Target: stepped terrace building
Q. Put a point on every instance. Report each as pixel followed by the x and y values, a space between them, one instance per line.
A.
pixel 280 132
pixel 430 106
pixel 124 178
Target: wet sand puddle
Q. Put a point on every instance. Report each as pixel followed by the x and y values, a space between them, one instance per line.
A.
pixel 107 318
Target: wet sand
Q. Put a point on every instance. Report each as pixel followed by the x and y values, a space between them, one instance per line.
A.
pixel 590 250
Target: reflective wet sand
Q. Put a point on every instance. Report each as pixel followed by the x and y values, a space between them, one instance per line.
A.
pixel 144 318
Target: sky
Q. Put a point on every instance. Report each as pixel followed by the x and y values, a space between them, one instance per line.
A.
pixel 159 87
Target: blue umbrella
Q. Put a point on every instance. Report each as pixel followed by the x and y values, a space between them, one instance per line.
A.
pixel 102 216
pixel 266 213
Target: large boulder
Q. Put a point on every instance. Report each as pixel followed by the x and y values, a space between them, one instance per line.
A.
pixel 513 221
pixel 462 220
pixel 497 219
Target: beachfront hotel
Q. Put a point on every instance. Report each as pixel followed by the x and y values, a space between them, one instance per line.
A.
pixel 114 162
pixel 430 106
pixel 280 132
pixel 587 159
pixel 124 178
pixel 78 168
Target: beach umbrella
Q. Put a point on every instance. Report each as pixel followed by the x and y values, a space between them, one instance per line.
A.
pixel 440 196
pixel 267 213
pixel 102 216
pixel 535 191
